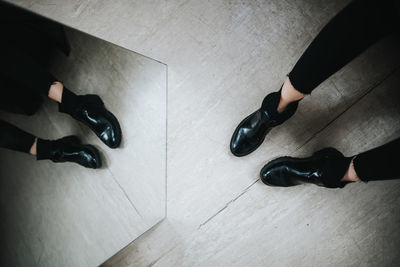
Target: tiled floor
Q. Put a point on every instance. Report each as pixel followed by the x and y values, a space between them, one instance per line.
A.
pixel 224 57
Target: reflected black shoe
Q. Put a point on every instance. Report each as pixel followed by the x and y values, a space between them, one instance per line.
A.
pixel 251 132
pixel 69 149
pixel 324 168
pixel 90 110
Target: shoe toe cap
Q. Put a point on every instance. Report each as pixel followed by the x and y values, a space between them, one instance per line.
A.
pixel 274 176
pixel 111 136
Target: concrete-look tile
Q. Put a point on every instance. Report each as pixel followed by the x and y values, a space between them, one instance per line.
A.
pixel 304 225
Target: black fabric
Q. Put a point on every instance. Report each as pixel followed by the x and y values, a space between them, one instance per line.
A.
pixel 44 148
pixel 11 137
pixel 18 98
pixel 379 163
pixel 26 48
pixel 353 30
pixel 69 101
pixel 27 45
pixel 335 169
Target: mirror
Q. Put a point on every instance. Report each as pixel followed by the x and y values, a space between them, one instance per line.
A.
pixel 62 214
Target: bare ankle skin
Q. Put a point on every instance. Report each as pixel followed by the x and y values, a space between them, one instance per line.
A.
pixel 56 91
pixel 351 175
pixel 33 150
pixel 288 95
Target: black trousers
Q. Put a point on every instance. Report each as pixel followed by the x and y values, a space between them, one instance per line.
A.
pixel 349 33
pixel 353 30
pixel 25 49
pixel 379 163
pixel 21 79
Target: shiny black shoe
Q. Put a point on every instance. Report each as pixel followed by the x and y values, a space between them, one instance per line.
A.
pixel 251 132
pixel 324 168
pixel 90 110
pixel 69 149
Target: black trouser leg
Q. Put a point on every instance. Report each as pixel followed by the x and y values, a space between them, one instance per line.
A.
pixel 379 163
pixel 353 30
pixel 24 69
pixel 14 138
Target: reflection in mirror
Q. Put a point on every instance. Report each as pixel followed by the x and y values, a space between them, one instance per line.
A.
pixel 76 201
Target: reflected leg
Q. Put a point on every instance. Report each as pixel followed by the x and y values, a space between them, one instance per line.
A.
pixel 11 137
pixel 67 149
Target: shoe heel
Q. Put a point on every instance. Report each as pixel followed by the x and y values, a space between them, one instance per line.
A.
pixel 328 152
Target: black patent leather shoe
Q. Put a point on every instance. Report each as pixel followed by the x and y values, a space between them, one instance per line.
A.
pixel 90 110
pixel 251 132
pixel 70 149
pixel 324 168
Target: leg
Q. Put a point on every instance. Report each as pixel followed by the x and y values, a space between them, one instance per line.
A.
pixel 353 30
pixel 328 167
pixel 379 163
pixel 87 109
pixel 17 98
pixel 14 138
pixel 348 34
pixel 67 149
pixel 20 66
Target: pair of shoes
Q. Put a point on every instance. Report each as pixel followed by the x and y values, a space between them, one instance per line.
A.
pixel 325 168
pixel 90 110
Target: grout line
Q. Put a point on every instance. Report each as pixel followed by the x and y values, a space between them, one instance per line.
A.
pixel 162 255
pixel 229 203
pixel 126 195
pixel 349 107
pixel 166 143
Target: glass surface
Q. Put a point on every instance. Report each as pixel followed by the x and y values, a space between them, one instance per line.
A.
pixel 62 214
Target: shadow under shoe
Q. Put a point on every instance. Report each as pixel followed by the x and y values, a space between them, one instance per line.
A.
pixel 69 149
pixel 324 168
pixel 251 132
pixel 90 110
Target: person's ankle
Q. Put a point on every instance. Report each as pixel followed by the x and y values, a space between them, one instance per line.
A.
pixel 56 91
pixel 282 105
pixel 289 94
pixel 33 150
pixel 351 174
pixel 69 102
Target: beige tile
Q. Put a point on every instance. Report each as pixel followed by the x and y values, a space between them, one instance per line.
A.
pixel 224 57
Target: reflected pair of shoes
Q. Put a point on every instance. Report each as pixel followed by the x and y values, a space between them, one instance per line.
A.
pixel 90 110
